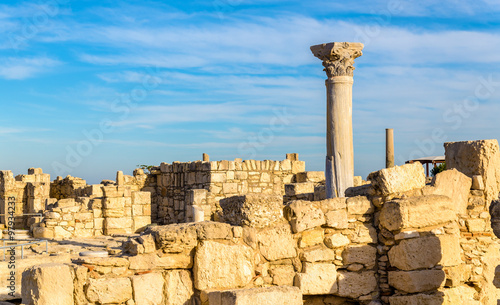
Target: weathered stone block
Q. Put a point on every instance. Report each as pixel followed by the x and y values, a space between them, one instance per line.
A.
pixel 178 288
pixel 337 219
pixel 148 289
pixel 109 290
pixel 175 238
pixel 213 230
pixel 311 238
pixel 277 242
pixel 472 158
pixel 418 299
pixel 416 281
pixel 477 183
pixel 361 254
pixel 311 176
pixel 141 198
pixel 416 253
pixel 117 223
pixel 294 189
pixel 317 278
pixel 353 284
pixel 43 233
pixel 317 254
pixel 254 210
pixel 304 215
pixel 218 265
pixel 277 295
pixel 453 184
pixel 336 241
pixel 417 212
pixel 398 179
pixel 282 274
pixel 359 205
pixel 47 284
pixel 364 234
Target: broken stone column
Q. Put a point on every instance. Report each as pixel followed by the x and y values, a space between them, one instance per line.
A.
pixel 338 59
pixel 389 147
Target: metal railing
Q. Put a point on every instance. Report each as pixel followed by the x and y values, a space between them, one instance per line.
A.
pixel 29 242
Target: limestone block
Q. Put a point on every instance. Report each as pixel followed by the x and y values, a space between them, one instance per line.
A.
pixel 276 295
pixel 175 238
pixel 294 189
pixel 212 230
pixel 476 225
pixel 453 184
pixel 148 241
pixel 63 203
pixel 398 179
pixel 304 215
pixel 282 274
pixel 277 242
pixel 451 250
pixel 418 299
pixel 311 238
pixel 336 241
pixel 417 212
pixel 461 295
pixel 175 261
pixel 109 290
pixel 218 265
pixel 317 278
pixel 337 219
pixel 364 234
pixel 178 288
pixel 43 233
pixel 60 233
pixel 140 222
pixel 254 210
pixel 416 281
pixel 113 203
pixel 311 176
pixel 84 216
pixel 359 205
pixel 332 204
pixel 361 254
pixel 477 183
pixel 114 213
pixel 472 158
pixel 317 254
pixel 117 223
pixel 141 198
pixel 416 253
pixel 47 284
pixel 148 289
pixel 298 166
pixel 354 284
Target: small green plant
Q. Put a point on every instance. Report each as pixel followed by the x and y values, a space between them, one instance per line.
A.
pixel 436 170
pixel 145 168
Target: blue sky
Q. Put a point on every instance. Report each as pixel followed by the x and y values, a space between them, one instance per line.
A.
pixel 89 88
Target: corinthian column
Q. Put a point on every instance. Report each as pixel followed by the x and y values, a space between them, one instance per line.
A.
pixel 338 60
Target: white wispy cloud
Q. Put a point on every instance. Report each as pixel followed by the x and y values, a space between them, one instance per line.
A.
pixel 22 68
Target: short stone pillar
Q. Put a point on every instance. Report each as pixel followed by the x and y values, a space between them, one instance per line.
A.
pixel 338 59
pixel 198 214
pixel 389 147
pixel 206 157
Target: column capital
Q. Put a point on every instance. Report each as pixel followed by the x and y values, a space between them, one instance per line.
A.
pixel 338 57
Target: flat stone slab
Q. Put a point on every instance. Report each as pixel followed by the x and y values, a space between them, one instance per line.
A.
pixel 94 253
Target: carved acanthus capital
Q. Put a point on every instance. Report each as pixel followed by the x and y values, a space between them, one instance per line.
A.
pixel 338 57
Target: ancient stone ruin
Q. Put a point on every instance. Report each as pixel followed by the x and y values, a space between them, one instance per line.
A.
pixel 249 232
pixel 268 235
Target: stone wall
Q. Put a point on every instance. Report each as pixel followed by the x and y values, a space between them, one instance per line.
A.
pixel 221 179
pixel 106 210
pixel 31 194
